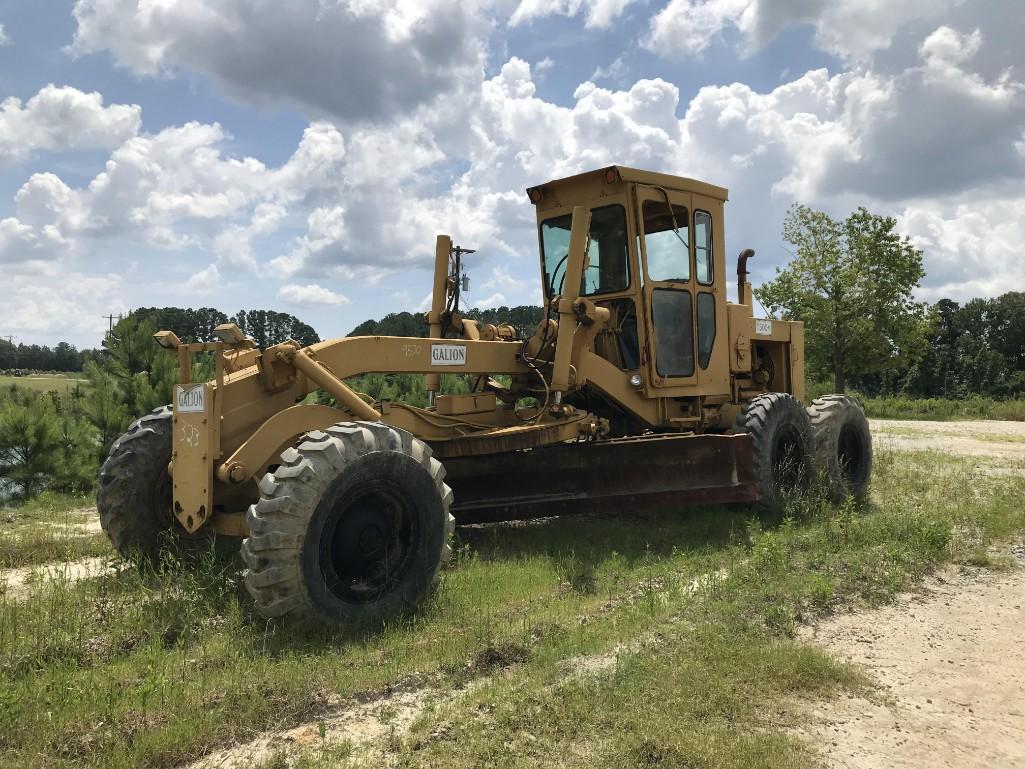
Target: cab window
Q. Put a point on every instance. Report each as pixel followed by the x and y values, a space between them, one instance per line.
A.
pixel 674 332
pixel 703 246
pixel 666 241
pixel 608 266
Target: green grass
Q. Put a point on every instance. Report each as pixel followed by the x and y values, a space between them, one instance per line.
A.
pixel 62 383
pixel 154 669
pixel 49 528
pixel 942 409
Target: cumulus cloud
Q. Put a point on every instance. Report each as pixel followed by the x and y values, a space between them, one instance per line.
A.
pixel 356 204
pixel 852 30
pixel 172 189
pixel 63 118
pixel 310 294
pixel 4 39
pixel 203 282
pixel 352 59
pixel 597 13
pixel 69 307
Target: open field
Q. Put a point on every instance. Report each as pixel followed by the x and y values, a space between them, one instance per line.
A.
pixel 62 383
pixel 678 639
pixel 944 409
pixel 1002 443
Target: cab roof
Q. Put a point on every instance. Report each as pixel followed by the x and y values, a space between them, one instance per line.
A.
pixel 638 176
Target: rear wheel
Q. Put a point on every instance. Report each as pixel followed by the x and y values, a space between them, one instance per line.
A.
pixel 843 446
pixel 782 444
pixel 352 527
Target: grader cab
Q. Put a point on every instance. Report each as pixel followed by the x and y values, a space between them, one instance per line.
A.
pixel 641 387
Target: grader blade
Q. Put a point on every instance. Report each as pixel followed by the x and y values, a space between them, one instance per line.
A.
pixel 625 475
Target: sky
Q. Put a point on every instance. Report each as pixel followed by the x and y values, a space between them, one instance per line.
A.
pixel 302 156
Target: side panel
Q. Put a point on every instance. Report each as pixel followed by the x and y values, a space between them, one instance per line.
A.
pixel 194 445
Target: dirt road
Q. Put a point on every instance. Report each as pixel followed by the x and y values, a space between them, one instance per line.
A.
pixel 980 438
pixel 949 662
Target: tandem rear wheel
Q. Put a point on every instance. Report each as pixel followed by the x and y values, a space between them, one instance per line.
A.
pixel 843 446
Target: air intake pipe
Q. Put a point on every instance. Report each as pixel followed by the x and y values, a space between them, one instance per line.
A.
pixel 742 273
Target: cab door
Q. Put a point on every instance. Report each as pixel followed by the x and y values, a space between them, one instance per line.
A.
pixel 665 235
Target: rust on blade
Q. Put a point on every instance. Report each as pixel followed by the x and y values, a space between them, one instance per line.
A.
pixel 623 475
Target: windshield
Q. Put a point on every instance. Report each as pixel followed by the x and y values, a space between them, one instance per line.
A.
pixel 607 269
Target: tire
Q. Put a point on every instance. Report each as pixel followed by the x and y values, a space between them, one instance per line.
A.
pixel 351 529
pixel 843 446
pixel 782 444
pixel 134 497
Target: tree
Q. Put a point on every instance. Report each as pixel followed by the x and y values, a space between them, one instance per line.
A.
pixel 66 358
pixel 851 282
pixel 30 445
pixel 267 327
pixel 8 354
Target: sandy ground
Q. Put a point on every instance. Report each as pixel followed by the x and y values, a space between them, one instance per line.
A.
pixel 17 583
pixel 363 725
pixel 949 661
pixel 950 666
pixel 980 438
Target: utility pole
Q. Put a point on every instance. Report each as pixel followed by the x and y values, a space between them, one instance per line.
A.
pixel 110 323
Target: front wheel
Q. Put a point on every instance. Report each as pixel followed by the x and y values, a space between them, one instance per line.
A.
pixel 351 529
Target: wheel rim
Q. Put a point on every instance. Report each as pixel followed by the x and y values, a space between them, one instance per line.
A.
pixel 369 543
pixel 850 453
pixel 788 459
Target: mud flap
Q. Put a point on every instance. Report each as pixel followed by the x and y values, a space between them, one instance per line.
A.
pixel 622 475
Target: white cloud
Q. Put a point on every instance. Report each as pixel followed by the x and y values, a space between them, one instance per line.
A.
pixel 614 71
pixel 63 118
pixel 597 13
pixel 69 306
pixel 850 29
pixel 359 205
pixel 172 189
pixel 4 39
pixel 972 248
pixel 350 58
pixel 507 288
pixel 204 282
pixel 310 294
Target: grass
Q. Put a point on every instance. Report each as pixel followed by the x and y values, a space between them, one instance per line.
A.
pixel 943 409
pixel 155 668
pixel 62 383
pixel 49 528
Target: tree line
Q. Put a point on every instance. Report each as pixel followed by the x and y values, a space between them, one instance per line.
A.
pixel 190 324
pixel 63 357
pixel 57 441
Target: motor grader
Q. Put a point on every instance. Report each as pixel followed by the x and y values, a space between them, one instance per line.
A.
pixel 642 386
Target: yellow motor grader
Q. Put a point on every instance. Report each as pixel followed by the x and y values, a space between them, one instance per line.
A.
pixel 642 386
